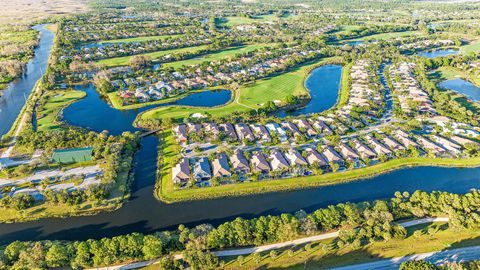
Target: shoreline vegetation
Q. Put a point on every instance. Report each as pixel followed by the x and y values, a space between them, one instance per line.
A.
pixel 165 191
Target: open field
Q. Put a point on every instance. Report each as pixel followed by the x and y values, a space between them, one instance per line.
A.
pixel 47 118
pixel 473 47
pixel 165 190
pixel 269 89
pixel 229 52
pixel 122 61
pixel 316 258
pixel 25 11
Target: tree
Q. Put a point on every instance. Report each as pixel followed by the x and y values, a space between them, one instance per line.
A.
pixel 273 254
pixel 140 61
pixel 418 265
pixel 57 256
pixel 152 247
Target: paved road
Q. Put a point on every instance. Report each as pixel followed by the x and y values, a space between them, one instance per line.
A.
pixel 439 257
pixel 250 250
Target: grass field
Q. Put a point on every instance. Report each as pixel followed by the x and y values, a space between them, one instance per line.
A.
pixel 166 191
pixel 269 89
pixel 385 36
pixel 55 101
pixel 230 52
pixel 122 61
pixel 448 73
pixel 317 258
pixel 473 47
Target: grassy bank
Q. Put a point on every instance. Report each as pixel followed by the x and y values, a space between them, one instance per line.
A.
pixel 449 73
pixel 166 191
pixel 47 118
pixel 440 237
pixel 124 60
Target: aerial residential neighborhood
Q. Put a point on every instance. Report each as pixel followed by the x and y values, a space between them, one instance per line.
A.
pixel 240 135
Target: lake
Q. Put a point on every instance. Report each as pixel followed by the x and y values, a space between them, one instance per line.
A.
pixel 323 84
pixel 463 87
pixel 437 53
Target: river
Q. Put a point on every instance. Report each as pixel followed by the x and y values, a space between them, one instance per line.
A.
pixel 13 98
pixel 143 213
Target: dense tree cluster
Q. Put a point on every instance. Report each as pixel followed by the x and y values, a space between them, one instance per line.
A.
pixel 359 224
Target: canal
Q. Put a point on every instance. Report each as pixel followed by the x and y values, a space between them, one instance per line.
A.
pixel 13 98
pixel 143 213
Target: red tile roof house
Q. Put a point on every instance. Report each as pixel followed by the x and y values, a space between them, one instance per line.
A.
pixel 278 161
pixel 239 163
pixel 332 156
pixel 181 172
pixel 220 166
pixel 259 163
pixel 364 151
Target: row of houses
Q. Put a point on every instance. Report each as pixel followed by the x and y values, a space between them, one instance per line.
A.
pixel 412 98
pixel 355 151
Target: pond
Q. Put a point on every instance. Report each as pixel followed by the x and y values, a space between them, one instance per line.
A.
pixel 13 98
pixel 463 87
pixel 437 53
pixel 94 113
pixel 323 84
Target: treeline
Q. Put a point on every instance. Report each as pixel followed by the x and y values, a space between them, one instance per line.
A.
pixel 424 265
pixel 359 224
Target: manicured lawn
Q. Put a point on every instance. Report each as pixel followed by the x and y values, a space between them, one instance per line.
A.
pixel 168 194
pixel 385 36
pixel 230 52
pixel 47 118
pixel 474 47
pixel 274 88
pixel 316 258
pixel 122 61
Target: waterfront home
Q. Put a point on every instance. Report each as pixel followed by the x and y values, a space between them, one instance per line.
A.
pixel 180 132
pixel 274 128
pixel 447 144
pixel 220 166
pixel 392 144
pixel 260 133
pixel 229 131
pixel 303 124
pixel 322 127
pixel 403 138
pixel 290 127
pixel 431 146
pixel 259 163
pixel 201 169
pixel 294 158
pixel 332 156
pixel 463 141
pixel 277 160
pixel 181 172
pixel 347 152
pixel 315 158
pixel 244 132
pixel 363 150
pixel 378 147
pixel 239 163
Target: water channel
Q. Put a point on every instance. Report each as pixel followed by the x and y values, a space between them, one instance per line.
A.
pixel 13 98
pixel 143 213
